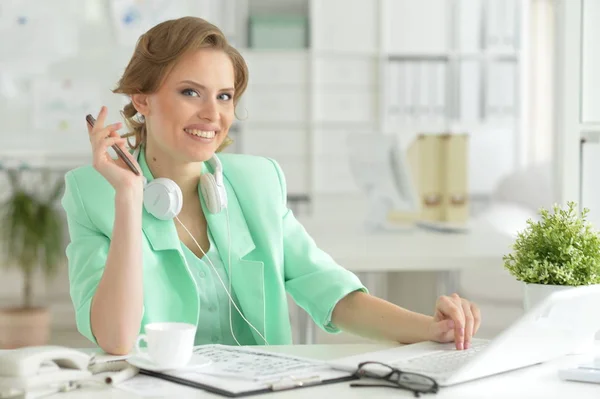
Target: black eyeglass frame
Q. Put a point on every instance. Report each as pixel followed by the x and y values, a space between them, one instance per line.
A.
pixel 389 377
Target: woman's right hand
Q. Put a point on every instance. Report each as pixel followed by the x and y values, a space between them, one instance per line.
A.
pixel 115 171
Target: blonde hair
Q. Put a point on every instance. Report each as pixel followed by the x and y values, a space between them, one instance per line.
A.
pixel 156 53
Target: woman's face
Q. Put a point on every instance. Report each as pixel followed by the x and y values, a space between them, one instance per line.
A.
pixel 189 116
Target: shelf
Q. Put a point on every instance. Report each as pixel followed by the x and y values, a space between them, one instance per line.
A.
pixel 484 126
pixel 248 125
pixel 249 52
pixel 345 125
pixel 344 81
pixel 451 126
pixel 344 53
pixel 417 57
pixel 591 134
pixel 437 126
pixel 274 86
pixel 485 57
pixel 271 68
pixel 370 88
pixel 452 56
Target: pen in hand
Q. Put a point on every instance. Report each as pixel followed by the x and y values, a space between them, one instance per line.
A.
pixel 91 121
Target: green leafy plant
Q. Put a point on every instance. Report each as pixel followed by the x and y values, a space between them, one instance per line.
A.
pixel 32 228
pixel 560 249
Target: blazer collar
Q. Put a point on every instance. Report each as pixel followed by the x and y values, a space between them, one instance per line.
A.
pixel 162 234
pixel 230 233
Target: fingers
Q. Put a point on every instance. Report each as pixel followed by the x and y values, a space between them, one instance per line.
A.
pixel 451 307
pixel 465 317
pixel 444 331
pixel 130 156
pixel 99 124
pixel 107 142
pixel 97 136
pixel 104 138
pixel 469 322
pixel 101 118
pixel 459 322
pixel 476 317
pixel 126 160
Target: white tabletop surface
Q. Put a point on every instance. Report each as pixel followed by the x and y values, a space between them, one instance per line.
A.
pixel 417 249
pixel 539 381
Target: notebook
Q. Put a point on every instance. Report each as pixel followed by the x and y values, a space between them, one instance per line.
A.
pixel 243 371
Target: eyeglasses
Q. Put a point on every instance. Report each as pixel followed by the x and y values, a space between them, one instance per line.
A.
pixel 414 382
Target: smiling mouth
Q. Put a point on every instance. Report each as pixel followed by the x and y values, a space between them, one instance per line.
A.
pixel 201 133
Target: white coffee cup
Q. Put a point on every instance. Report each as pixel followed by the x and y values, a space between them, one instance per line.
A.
pixel 170 345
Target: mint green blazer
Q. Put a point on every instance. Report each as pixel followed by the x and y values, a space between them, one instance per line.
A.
pixel 271 253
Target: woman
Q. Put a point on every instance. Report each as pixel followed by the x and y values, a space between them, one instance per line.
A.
pixel 225 271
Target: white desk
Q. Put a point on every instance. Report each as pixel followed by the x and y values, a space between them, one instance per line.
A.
pixel 414 250
pixel 539 381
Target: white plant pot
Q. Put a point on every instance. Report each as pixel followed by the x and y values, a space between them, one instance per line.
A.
pixel 536 293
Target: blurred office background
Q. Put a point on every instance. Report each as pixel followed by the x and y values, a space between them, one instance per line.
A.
pixel 485 99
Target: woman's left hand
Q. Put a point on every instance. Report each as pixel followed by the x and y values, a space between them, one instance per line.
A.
pixel 455 319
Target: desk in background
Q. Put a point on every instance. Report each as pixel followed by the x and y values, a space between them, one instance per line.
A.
pixel 540 381
pixel 410 250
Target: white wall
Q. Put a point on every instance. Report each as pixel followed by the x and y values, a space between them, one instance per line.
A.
pixel 539 145
pixel 340 86
pixel 590 60
pixel 576 100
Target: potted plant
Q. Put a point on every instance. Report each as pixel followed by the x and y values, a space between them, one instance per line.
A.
pixel 560 251
pixel 32 233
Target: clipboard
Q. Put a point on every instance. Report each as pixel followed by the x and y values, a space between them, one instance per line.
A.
pixel 306 372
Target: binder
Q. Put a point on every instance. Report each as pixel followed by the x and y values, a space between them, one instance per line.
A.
pixel 470 92
pixel 455 193
pixel 511 25
pixel 469 25
pixel 509 76
pixel 424 103
pixel 493 19
pixel 440 164
pixel 440 91
pixel 430 177
pixel 411 81
pixel 502 25
pixel 400 96
pixel 230 381
pixel 395 109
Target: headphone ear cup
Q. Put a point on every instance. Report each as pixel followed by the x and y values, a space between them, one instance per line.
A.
pixel 208 187
pixel 163 198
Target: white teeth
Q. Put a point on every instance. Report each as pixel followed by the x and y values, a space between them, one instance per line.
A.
pixel 201 133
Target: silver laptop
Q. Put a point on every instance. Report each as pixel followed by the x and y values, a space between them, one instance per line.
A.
pixel 562 324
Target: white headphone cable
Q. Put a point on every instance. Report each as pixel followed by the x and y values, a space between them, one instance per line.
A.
pixel 230 278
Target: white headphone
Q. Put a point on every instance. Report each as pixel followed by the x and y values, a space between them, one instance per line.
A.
pixel 163 198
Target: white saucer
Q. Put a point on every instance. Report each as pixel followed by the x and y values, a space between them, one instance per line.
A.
pixel 143 361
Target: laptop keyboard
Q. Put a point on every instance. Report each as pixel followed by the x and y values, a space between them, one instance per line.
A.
pixel 440 362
